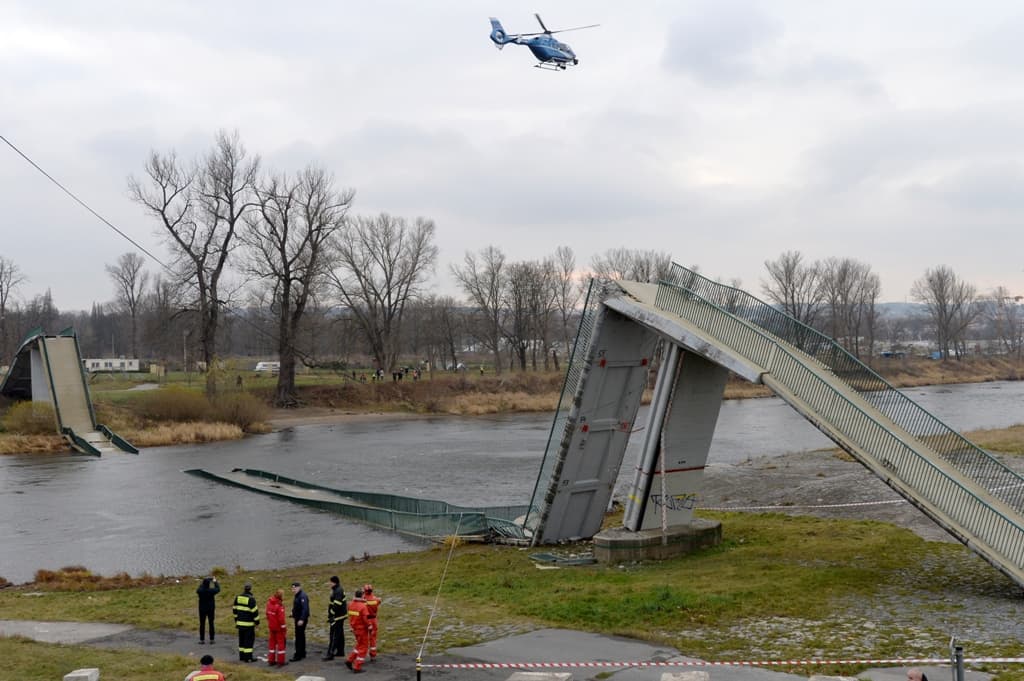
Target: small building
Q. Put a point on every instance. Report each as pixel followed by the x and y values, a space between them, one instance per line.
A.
pixel 94 366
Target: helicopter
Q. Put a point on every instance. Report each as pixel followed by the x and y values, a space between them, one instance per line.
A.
pixel 552 54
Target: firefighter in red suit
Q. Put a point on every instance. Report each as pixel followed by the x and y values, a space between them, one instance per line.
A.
pixel 372 603
pixel 277 627
pixel 357 619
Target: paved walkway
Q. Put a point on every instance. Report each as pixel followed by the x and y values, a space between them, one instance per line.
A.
pixel 556 645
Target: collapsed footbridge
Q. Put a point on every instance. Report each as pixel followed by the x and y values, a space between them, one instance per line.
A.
pixel 49 369
pixel 702 330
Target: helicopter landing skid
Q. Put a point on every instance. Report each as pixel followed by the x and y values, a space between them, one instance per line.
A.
pixel 544 66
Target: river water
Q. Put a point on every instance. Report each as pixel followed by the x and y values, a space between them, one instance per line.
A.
pixel 142 514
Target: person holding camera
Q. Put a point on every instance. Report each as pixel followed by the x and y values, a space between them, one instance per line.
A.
pixel 207 607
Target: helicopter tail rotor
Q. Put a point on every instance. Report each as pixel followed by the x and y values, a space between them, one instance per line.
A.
pixel 498 35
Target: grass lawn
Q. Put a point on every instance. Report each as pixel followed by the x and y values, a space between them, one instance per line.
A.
pixel 822 588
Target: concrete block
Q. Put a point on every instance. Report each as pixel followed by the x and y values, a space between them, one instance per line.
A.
pixel 541 676
pixel 83 675
pixel 685 676
pixel 618 544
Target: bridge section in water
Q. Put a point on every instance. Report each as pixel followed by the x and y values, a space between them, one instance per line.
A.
pixel 49 369
pixel 699 330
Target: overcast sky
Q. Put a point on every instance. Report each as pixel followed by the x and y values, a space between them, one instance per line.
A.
pixel 723 132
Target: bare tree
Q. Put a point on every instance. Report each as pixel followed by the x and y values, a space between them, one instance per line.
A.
pixel 543 292
pixel 439 329
pixel 849 292
pixel 287 239
pixel 950 302
pixel 201 207
pixel 794 286
pixel 10 278
pixel 632 264
pixel 130 282
pixel 380 265
pixel 568 291
pixel 482 277
pixel 518 325
pixel 1004 313
pixel 164 319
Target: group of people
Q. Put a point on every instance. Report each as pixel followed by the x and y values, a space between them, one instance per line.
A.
pixel 361 614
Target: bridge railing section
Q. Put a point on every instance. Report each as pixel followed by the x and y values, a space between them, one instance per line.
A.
pixel 973 514
pixel 572 378
pixel 975 463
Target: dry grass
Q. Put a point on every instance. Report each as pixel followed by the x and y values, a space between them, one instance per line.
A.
pixel 476 405
pixel 34 444
pixel 194 432
pixel 1005 440
pixel 77 578
pixel 915 371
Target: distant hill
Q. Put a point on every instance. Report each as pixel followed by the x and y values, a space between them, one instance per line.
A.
pixel 902 309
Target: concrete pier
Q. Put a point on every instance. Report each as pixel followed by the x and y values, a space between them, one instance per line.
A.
pixel 619 545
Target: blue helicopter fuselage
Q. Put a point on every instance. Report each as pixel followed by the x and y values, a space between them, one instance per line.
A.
pixel 546 48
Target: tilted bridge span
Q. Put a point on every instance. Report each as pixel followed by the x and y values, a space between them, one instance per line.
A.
pixel 704 330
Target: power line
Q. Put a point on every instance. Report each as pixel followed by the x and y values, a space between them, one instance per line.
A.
pixel 84 204
pixel 126 237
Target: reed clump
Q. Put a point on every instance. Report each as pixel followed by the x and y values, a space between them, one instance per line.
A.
pixel 78 578
pixel 30 418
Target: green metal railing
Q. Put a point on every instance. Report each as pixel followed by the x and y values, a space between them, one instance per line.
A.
pixel 572 378
pixel 964 455
pixel 407 515
pixel 753 328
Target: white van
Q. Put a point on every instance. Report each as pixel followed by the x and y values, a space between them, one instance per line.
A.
pixel 272 367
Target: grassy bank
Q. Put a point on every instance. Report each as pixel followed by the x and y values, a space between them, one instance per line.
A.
pixel 824 588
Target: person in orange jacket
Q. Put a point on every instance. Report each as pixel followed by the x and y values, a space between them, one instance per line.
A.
pixel 277 629
pixel 357 619
pixel 207 673
pixel 372 603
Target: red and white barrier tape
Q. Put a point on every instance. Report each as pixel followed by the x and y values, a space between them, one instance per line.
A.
pixel 897 661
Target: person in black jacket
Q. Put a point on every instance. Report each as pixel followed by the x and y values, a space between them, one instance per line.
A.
pixel 337 611
pixel 300 613
pixel 206 591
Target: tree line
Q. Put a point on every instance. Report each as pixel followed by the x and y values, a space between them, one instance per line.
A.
pixel 839 296
pixel 271 263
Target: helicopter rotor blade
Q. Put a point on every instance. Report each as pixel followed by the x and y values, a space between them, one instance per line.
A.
pixel 575 28
pixel 539 21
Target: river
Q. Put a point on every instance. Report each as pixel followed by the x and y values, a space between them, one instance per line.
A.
pixel 141 514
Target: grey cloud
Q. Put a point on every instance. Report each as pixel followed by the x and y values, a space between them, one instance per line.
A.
pixel 717 42
pixel 979 188
pixel 889 146
pixel 826 70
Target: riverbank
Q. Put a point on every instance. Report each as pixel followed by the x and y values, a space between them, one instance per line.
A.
pixel 342 399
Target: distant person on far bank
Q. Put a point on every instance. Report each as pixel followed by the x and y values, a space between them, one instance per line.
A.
pixel 207 607
pixel 915 674
pixel 300 613
pixel 206 672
